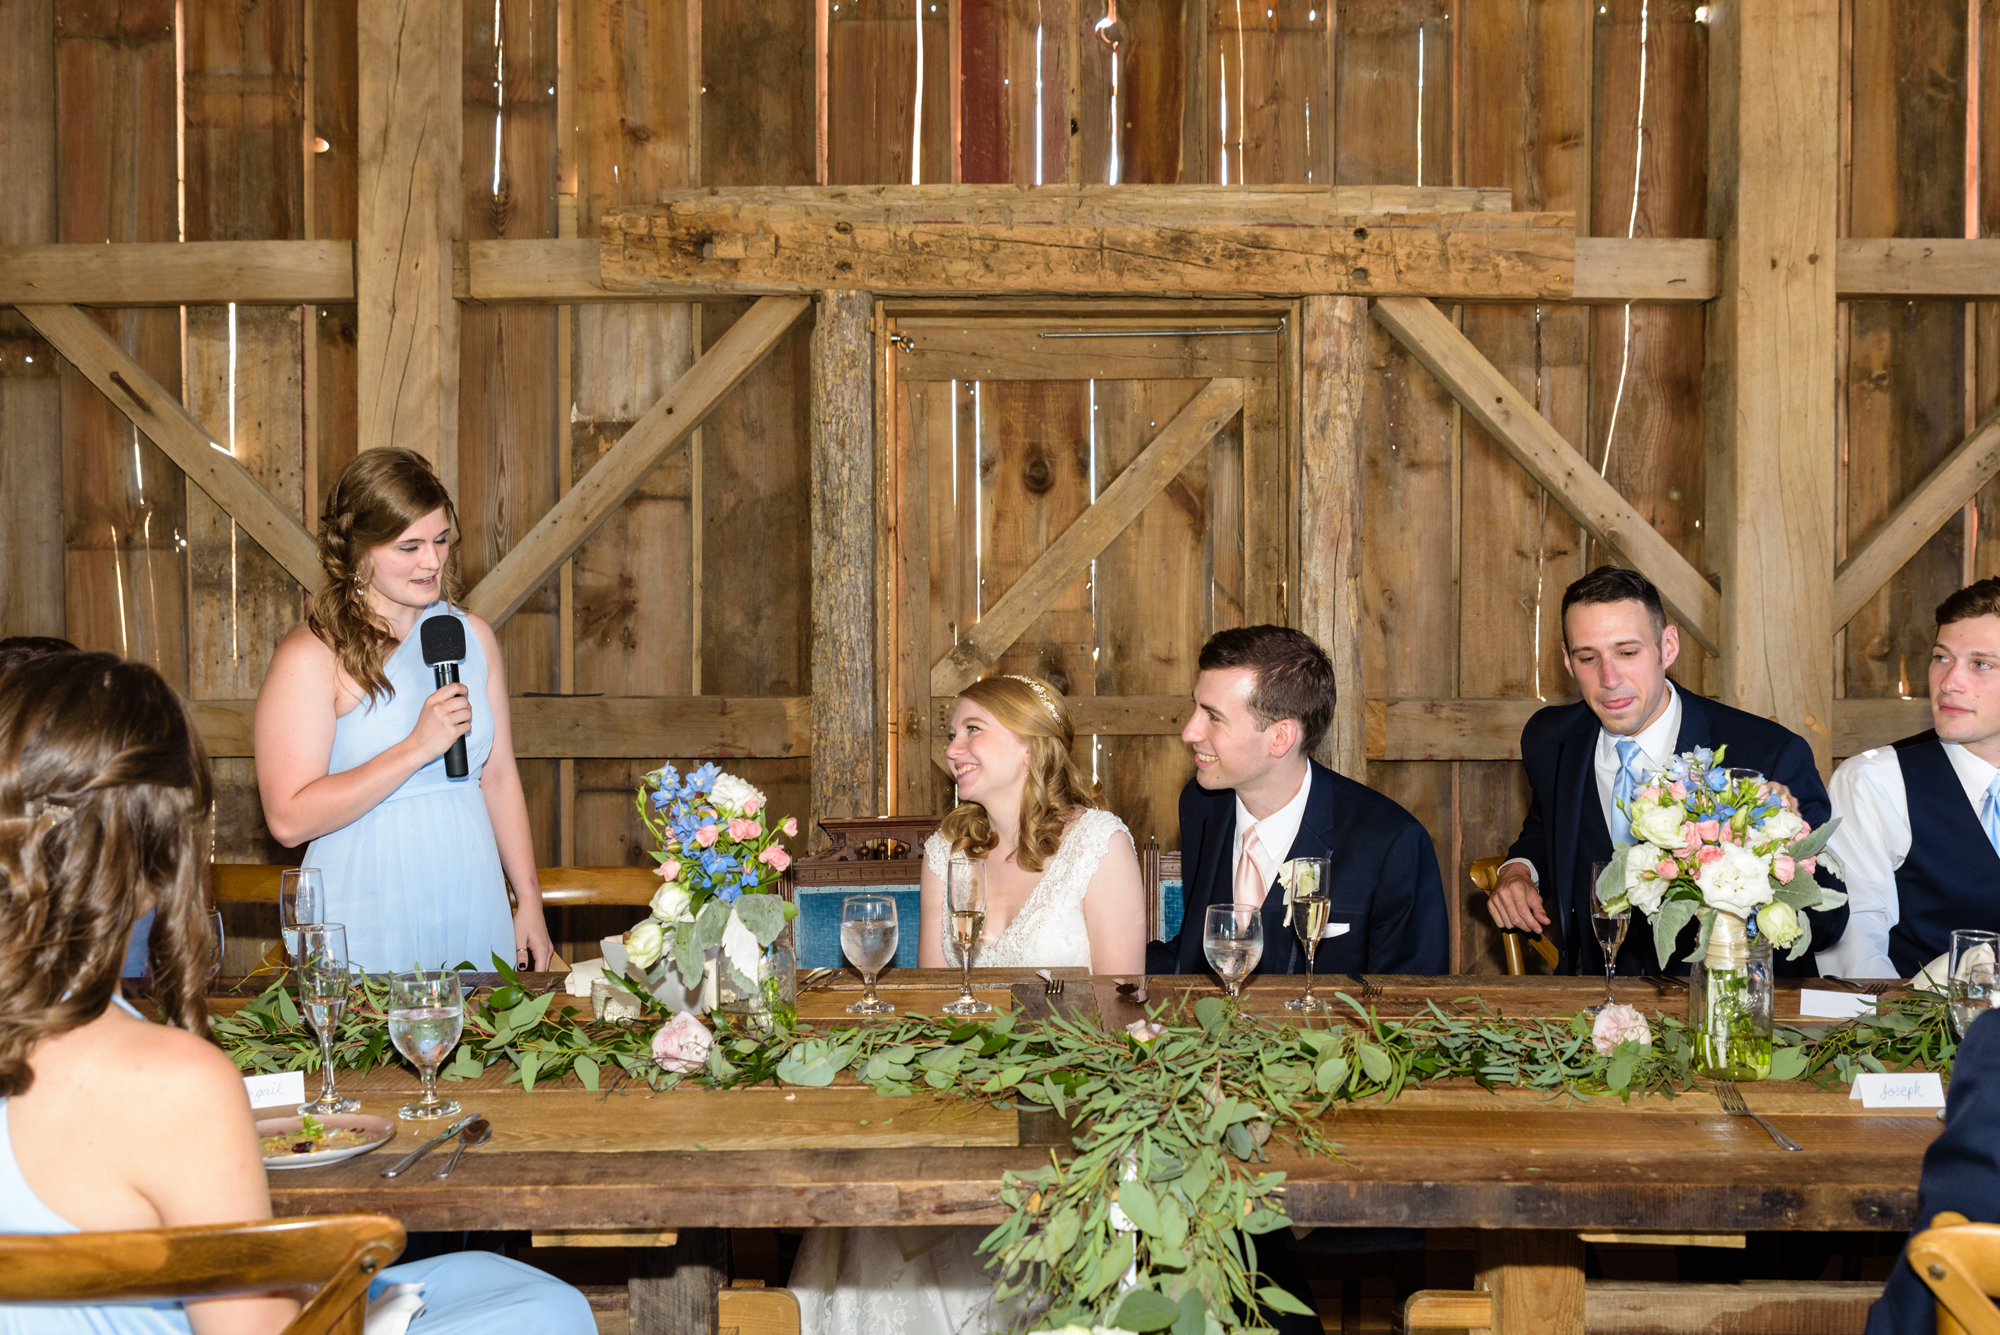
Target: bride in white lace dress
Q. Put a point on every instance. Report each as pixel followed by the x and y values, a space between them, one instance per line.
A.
pixel 1062 889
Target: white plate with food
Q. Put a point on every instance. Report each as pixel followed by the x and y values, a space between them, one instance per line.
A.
pixel 313 1142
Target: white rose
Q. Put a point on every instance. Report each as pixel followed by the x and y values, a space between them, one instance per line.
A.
pixel 670 905
pixel 734 796
pixel 1644 891
pixel 1781 825
pixel 644 943
pixel 1780 922
pixel 1738 882
pixel 1661 825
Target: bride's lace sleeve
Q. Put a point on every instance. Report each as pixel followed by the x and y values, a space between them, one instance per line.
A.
pixel 937 856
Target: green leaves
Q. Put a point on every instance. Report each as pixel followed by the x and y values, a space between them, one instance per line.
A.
pixel 1145 1310
pixel 764 915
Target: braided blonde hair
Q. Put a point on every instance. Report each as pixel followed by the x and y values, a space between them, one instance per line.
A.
pixel 378 496
pixel 1056 791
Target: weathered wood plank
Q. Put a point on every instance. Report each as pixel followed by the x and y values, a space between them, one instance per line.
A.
pixel 843 558
pixel 1938 266
pixel 1018 348
pixel 1334 347
pixel 1551 460
pixel 1067 556
pixel 666 424
pixel 172 273
pixel 1109 715
pixel 1862 724
pixel 1535 1277
pixel 1612 270
pixel 1081 247
pixel 191 445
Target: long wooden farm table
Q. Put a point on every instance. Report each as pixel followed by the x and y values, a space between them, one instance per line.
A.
pixel 1527 1173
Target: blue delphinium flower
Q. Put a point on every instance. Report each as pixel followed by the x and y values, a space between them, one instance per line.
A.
pixel 1703 757
pixel 703 780
pixel 715 863
pixel 728 894
pixel 1723 811
pixel 1718 780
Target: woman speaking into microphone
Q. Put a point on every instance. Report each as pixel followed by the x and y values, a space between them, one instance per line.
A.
pixel 358 743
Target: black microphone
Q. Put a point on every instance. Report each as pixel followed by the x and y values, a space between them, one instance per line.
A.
pixel 444 650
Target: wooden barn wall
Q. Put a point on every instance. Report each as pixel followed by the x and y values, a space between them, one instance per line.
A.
pixel 699 584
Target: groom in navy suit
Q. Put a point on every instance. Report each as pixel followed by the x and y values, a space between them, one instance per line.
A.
pixel 1582 757
pixel 1262 703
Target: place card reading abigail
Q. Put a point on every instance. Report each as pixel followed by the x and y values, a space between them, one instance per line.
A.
pixel 269 1090
pixel 1819 1004
pixel 1902 1089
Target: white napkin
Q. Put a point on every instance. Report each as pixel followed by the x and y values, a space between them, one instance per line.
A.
pixel 582 976
pixel 394 1310
pixel 1932 975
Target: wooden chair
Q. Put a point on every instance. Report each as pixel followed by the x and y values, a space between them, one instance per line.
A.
pixel 1166 901
pixel 338 1256
pixel 864 855
pixel 1485 874
pixel 1960 1261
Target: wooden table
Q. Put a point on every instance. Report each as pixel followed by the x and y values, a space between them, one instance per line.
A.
pixel 1527 1172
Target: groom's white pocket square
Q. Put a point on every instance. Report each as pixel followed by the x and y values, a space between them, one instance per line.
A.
pixel 1334 929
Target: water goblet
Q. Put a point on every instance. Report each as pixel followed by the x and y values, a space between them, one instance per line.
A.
pixel 868 939
pixel 426 1017
pixel 964 920
pixel 301 900
pixel 1970 950
pixel 1232 936
pixel 1973 995
pixel 1309 891
pixel 324 981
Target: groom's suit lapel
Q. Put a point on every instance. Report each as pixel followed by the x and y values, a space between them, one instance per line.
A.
pixel 1694 723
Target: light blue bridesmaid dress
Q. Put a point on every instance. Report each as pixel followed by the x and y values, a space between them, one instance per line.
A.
pixel 417 880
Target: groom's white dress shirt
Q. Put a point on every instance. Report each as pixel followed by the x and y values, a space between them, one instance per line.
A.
pixel 1275 833
pixel 1871 843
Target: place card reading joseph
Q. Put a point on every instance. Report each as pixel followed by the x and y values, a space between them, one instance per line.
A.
pixel 1900 1089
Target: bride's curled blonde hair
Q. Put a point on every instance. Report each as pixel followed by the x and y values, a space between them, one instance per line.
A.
pixel 105 802
pixel 1056 791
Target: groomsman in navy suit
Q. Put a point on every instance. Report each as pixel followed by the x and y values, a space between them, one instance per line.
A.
pixel 1920 820
pixel 1582 757
pixel 1262 703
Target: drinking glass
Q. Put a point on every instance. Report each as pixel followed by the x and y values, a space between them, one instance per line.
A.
pixel 1309 890
pixel 213 970
pixel 964 920
pixel 868 939
pixel 1969 950
pixel 1610 928
pixel 426 1016
pixel 1973 995
pixel 301 900
pixel 1232 936
pixel 323 984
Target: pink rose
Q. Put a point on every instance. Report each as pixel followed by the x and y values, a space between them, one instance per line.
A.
pixel 1805 828
pixel 752 805
pixel 1783 867
pixel 1690 842
pixel 1808 865
pixel 1619 1024
pixel 1666 870
pixel 790 827
pixel 744 829
pixel 682 1044
pixel 1650 794
pixel 1709 830
pixel 775 857
pixel 1677 790
pixel 705 836
pixel 1709 854
pixel 670 870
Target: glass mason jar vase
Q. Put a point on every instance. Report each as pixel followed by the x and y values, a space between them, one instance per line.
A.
pixel 1729 1003
pixel 775 999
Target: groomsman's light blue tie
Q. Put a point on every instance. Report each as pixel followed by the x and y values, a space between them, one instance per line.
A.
pixel 1628 784
pixel 1989 813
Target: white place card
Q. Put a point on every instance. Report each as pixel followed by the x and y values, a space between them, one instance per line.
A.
pixel 1902 1089
pixel 269 1090
pixel 1819 1004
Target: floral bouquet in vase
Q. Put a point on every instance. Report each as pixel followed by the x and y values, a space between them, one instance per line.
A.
pixel 1722 845
pixel 717 909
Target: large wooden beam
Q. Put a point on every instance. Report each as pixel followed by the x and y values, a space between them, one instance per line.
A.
pixel 1068 556
pixel 600 727
pixel 78 337
pixel 1552 461
pixel 1909 267
pixel 410 208
pixel 1614 270
pixel 173 273
pixel 1102 715
pixel 1138 241
pixel 625 465
pixel 1774 178
pixel 843 558
pixel 1333 347
pixel 1913 523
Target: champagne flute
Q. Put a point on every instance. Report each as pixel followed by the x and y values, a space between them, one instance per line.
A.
pixel 1969 950
pixel 1232 936
pixel 1309 892
pixel 1610 928
pixel 964 920
pixel 426 1017
pixel 323 985
pixel 868 939
pixel 1973 995
pixel 301 900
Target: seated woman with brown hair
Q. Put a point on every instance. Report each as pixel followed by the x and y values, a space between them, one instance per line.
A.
pixel 108 1122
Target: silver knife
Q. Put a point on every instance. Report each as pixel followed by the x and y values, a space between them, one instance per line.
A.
pixel 442 1136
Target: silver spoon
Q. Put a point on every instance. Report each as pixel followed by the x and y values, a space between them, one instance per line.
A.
pixel 475 1135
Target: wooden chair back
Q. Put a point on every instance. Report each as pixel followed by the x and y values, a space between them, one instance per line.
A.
pixel 864 855
pixel 1485 874
pixel 338 1256
pixel 1166 900
pixel 562 887
pixel 1960 1261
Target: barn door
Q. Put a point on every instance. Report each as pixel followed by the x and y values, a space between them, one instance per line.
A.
pixel 1086 498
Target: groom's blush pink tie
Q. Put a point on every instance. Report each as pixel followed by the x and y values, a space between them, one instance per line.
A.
pixel 1250 885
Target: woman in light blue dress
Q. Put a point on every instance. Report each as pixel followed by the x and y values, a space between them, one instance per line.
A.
pixel 110 1123
pixel 352 730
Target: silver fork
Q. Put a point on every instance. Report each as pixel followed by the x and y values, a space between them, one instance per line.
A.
pixel 1051 986
pixel 1732 1103
pixel 1369 990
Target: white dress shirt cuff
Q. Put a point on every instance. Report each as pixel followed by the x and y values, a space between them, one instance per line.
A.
pixel 1533 875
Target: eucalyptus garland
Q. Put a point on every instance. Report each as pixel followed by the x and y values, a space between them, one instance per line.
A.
pixel 1151 1222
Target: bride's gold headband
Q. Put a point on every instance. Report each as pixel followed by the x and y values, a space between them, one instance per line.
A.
pixel 1042 693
